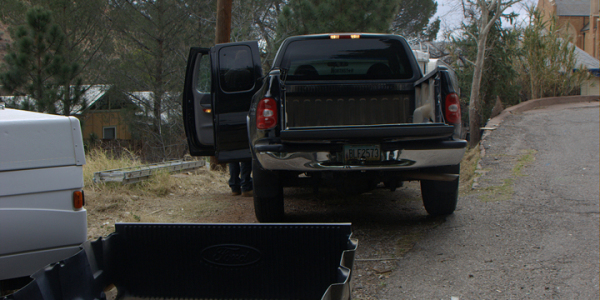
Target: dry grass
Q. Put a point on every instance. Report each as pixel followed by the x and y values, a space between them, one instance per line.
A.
pixel 160 184
pixel 468 166
pixel 184 197
pixel 100 160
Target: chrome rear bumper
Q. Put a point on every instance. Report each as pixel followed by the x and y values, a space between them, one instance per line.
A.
pixel 404 159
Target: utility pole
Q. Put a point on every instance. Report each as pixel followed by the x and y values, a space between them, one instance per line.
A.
pixel 223 31
pixel 222 34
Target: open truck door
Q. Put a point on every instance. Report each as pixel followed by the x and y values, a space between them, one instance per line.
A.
pixel 219 85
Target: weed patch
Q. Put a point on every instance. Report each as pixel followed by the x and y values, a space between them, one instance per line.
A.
pixel 525 159
pixel 500 192
pixel 505 191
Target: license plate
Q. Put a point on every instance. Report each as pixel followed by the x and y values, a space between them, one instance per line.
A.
pixel 362 152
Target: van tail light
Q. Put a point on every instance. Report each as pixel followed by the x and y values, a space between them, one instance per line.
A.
pixel 266 114
pixel 78 199
pixel 452 108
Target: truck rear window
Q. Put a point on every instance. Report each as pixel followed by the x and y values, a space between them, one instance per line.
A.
pixel 346 59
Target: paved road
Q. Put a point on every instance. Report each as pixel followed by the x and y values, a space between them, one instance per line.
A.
pixel 531 228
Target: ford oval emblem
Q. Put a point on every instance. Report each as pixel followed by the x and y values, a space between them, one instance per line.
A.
pixel 230 255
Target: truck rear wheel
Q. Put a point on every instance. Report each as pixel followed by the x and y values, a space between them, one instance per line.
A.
pixel 440 197
pixel 268 194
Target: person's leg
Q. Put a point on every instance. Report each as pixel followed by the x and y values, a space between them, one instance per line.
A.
pixel 234 178
pixel 246 178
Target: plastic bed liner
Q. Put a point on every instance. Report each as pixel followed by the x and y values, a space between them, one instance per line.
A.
pixel 205 261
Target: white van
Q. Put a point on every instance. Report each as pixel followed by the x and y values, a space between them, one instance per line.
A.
pixel 42 219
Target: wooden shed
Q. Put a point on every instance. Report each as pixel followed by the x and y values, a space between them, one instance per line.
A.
pixel 107 115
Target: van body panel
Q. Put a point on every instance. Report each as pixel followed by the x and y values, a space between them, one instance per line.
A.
pixel 41 166
pixel 25 264
pixel 40 180
pixel 51 229
pixel 32 140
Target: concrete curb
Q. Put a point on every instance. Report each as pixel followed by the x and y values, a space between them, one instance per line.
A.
pixel 538 103
pixel 530 105
pixel 520 108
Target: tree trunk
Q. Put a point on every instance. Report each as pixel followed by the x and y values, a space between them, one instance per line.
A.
pixel 66 100
pixel 484 25
pixel 474 105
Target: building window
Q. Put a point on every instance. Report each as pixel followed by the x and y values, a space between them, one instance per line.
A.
pixel 109 133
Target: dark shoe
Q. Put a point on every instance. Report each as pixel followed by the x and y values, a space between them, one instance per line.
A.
pixel 247 194
pixel 235 193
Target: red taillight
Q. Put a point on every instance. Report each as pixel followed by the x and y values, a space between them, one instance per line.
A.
pixel 266 114
pixel 452 111
pixel 78 199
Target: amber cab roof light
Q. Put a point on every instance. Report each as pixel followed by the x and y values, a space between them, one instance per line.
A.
pixel 344 36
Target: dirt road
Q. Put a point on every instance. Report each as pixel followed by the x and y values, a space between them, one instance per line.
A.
pixel 529 230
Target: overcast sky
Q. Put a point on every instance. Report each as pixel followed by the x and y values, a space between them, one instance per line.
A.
pixel 450 12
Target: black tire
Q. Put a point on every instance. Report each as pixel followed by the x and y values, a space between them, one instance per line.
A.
pixel 440 197
pixel 268 194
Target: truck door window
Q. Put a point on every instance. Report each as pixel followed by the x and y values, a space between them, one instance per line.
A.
pixel 203 79
pixel 236 69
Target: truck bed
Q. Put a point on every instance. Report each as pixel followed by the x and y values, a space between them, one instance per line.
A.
pixel 205 261
pixel 348 104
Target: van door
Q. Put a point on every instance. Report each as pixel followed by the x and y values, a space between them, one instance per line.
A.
pixel 215 121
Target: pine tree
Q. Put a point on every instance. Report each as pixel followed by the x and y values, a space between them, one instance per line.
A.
pixel 153 40
pixel 322 16
pixel 257 20
pixel 83 52
pixel 412 20
pixel 34 61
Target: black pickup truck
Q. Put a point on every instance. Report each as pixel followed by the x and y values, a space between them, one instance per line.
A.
pixel 352 110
